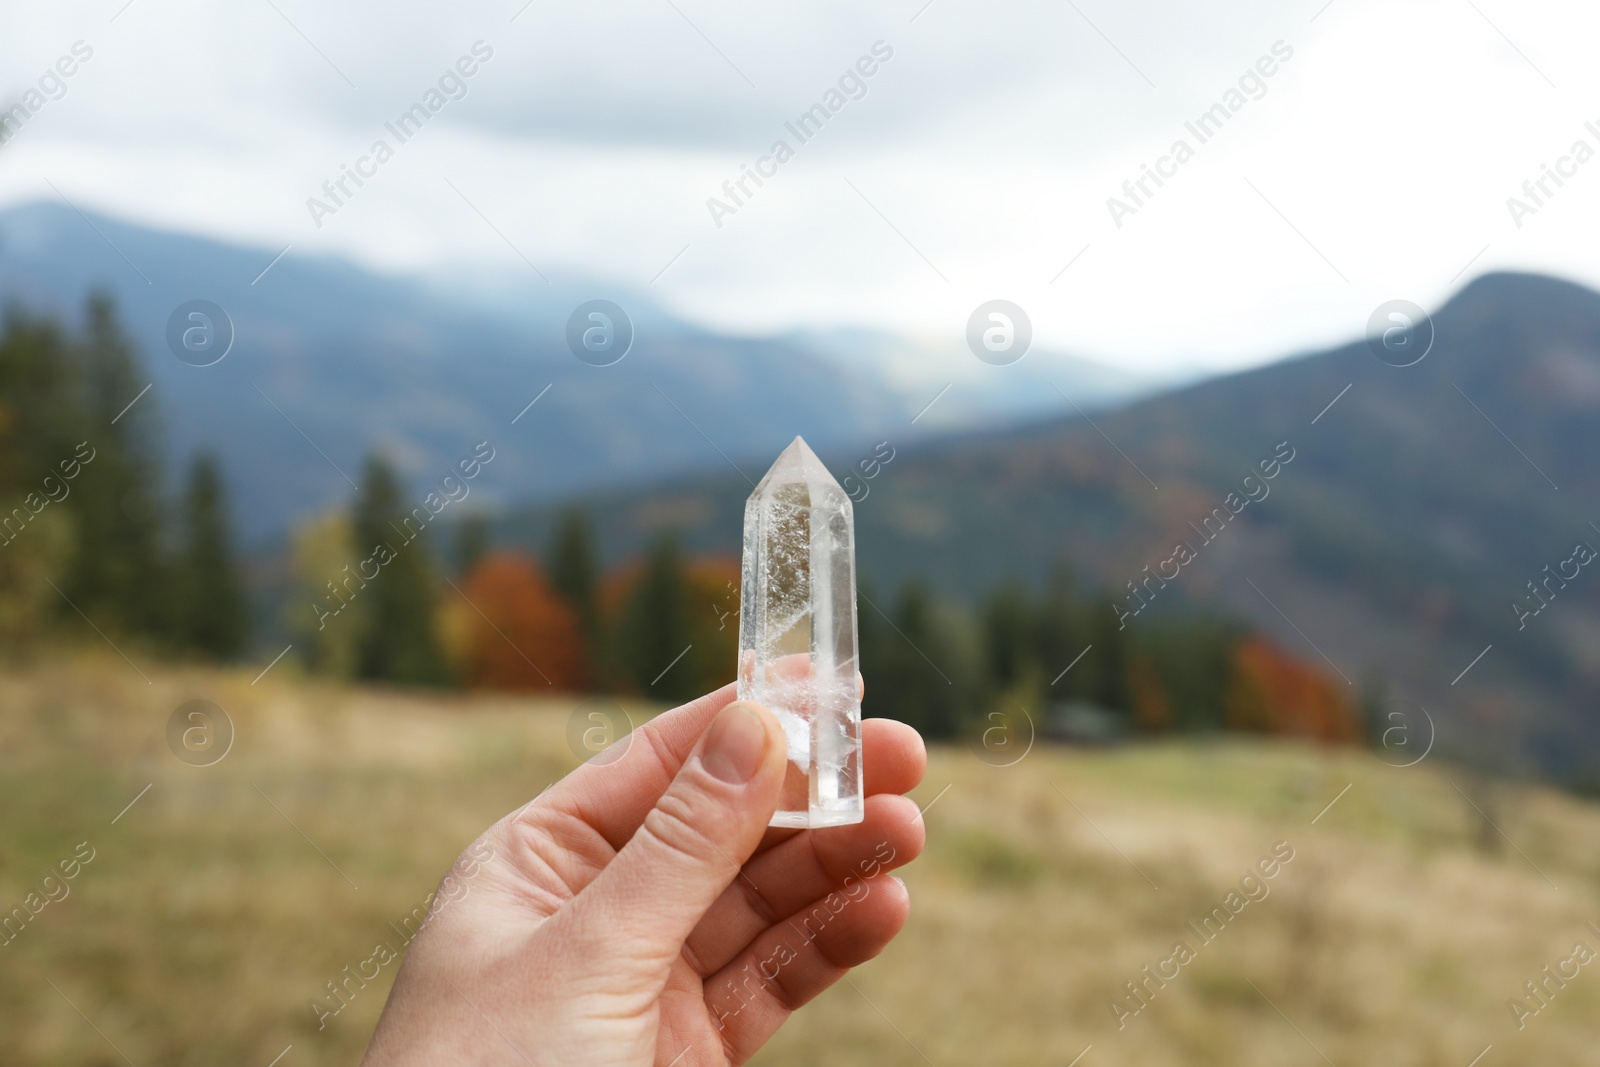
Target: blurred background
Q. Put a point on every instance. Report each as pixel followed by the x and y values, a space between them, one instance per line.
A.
pixel 380 388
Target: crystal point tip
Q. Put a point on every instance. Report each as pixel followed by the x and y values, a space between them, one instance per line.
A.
pixel 797 464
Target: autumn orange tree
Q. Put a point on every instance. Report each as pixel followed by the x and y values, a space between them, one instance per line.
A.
pixel 514 632
pixel 1273 692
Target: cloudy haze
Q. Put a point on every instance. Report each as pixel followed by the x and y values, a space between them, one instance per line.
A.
pixel 976 162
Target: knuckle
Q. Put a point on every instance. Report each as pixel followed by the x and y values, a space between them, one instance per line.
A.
pixel 758 903
pixel 676 826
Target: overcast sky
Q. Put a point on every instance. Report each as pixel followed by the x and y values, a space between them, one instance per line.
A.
pixel 1374 162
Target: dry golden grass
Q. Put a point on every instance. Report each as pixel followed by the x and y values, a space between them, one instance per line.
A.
pixel 206 923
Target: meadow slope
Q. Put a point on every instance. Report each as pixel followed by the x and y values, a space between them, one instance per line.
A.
pixel 217 906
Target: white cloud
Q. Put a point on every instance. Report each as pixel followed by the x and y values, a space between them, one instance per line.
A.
pixel 990 141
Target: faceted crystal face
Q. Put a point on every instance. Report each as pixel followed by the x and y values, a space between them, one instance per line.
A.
pixel 797 634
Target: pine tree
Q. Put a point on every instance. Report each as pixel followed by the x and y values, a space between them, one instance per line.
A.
pixel 916 674
pixel 472 542
pixel 212 611
pixel 41 402
pixel 871 635
pixel 574 572
pixel 655 628
pixel 117 572
pixel 882 666
pixel 1194 657
pixel 1059 638
pixel 1111 686
pixel 394 608
pixel 41 422
pixel 1008 636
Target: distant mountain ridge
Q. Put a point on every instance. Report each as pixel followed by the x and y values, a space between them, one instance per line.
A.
pixel 1403 542
pixel 332 360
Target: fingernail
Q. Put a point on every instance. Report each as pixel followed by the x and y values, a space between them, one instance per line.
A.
pixel 734 744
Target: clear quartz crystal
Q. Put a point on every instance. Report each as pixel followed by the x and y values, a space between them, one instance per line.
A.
pixel 797 634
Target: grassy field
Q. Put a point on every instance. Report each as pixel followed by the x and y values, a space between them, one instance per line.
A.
pixel 216 906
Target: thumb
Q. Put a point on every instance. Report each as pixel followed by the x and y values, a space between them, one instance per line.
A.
pixel 694 841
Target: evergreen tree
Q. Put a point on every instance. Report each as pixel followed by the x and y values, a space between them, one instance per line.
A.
pixel 1110 687
pixel 1059 636
pixel 1008 636
pixel 472 542
pixel 917 672
pixel 1194 656
pixel 394 609
pixel 212 611
pixel 116 575
pixel 872 637
pixel 574 573
pixel 41 421
pixel 655 627
pixel 41 402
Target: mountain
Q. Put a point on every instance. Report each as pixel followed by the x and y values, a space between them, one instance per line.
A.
pixel 331 360
pixel 1394 544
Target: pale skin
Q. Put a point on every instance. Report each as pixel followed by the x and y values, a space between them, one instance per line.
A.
pixel 641 912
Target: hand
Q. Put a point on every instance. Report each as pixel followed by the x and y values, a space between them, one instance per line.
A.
pixel 640 911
